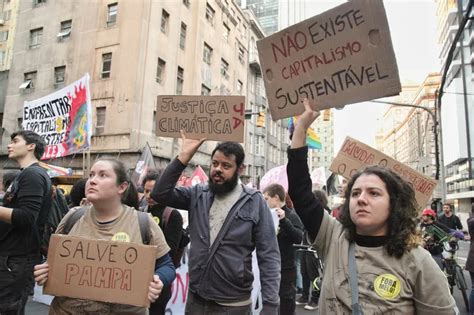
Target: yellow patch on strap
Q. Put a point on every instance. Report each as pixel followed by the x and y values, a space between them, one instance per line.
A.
pixel 157 220
pixel 121 237
pixel 387 286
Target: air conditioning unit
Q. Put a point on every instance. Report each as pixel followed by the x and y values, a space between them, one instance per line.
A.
pixel 2 21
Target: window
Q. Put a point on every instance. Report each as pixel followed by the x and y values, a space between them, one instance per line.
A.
pixel 241 54
pixel 180 81
pixel 165 18
pixel 226 33
pixel 20 123
pixel 112 14
pixel 182 36
pixel 240 87
pixel 205 90
pixel 59 76
pixel 29 81
pixel 207 55
pixel 225 69
pixel 35 38
pixel 106 65
pixel 100 124
pixel 160 71
pixel 65 30
pixel 6 15
pixel 3 57
pixel 3 36
pixel 38 2
pixel 210 14
pixel 186 3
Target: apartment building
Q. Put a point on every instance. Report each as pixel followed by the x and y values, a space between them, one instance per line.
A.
pixel 8 20
pixel 133 51
pixel 457 104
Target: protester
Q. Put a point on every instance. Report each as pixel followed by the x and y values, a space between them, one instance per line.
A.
pixel 78 193
pixel 309 266
pixel 470 259
pixel 341 189
pixel 374 244
pixel 227 221
pixel 290 231
pixel 433 235
pixel 171 226
pixel 449 219
pixel 106 217
pixel 27 203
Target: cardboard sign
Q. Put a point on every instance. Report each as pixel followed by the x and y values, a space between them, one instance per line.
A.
pixel 341 56
pixel 218 118
pixel 355 155
pixel 99 270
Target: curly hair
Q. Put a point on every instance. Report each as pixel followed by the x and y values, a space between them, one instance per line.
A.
pixel 402 235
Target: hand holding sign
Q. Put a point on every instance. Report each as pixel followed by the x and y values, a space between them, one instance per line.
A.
pixel 154 290
pixel 189 147
pixel 309 115
pixel 41 273
pixel 305 120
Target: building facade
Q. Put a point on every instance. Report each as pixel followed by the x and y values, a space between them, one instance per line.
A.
pixel 8 20
pixel 408 132
pixel 133 52
pixel 457 104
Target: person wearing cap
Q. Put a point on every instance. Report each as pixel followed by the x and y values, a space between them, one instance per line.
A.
pixel 432 234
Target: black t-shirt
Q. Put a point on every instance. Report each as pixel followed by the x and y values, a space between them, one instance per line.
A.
pixel 30 197
pixel 290 231
pixel 451 222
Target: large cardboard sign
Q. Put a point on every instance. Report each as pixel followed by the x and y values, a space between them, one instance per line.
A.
pixel 341 56
pixel 63 119
pixel 355 155
pixel 115 272
pixel 218 118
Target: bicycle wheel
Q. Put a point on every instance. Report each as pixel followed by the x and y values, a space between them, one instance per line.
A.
pixel 461 283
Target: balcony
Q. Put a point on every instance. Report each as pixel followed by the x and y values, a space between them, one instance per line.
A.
pixel 254 62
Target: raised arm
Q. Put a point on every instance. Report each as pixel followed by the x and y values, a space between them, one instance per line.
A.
pixel 309 209
pixel 164 191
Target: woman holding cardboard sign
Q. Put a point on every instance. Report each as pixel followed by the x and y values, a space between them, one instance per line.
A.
pixel 373 261
pixel 110 219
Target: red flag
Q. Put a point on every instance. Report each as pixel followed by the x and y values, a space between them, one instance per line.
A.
pixel 198 177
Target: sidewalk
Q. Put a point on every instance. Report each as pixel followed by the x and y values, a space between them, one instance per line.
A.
pixel 36 308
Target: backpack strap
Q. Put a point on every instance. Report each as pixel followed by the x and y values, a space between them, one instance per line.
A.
pixel 144 225
pixel 166 215
pixel 79 213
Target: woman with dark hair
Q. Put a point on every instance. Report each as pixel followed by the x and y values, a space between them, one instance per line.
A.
pixel 373 260
pixel 109 218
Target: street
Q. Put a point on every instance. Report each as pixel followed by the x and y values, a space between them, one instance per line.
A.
pixel 41 309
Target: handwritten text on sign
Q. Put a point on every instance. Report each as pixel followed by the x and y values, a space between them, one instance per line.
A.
pixel 339 57
pixel 355 155
pixel 100 270
pixel 213 117
pixel 63 119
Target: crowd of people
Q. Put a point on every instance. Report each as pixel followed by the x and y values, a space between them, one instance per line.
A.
pixel 378 254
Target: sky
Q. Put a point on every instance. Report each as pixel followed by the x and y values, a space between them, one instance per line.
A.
pixel 413 30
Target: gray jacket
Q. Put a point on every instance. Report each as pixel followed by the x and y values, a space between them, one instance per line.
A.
pixel 223 272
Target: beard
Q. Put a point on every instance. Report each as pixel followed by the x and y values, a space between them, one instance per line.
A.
pixel 224 188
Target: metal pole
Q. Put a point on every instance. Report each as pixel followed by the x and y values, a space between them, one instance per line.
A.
pixel 435 129
pixel 464 87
